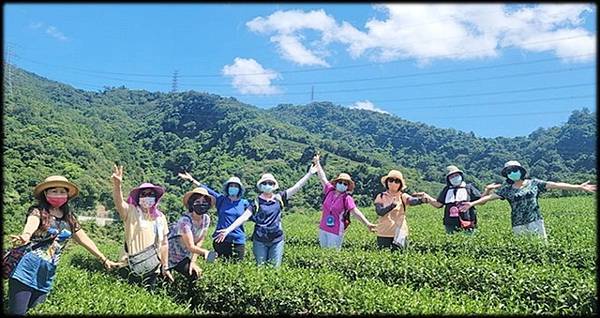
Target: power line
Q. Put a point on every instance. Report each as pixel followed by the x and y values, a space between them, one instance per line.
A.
pixel 499 92
pixel 447 82
pixel 501 115
pixel 313 69
pixel 387 77
pixel 484 104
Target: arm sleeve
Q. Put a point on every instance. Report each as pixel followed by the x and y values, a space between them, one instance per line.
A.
pixel 296 187
pixel 284 197
pixel 501 192
pixel 381 210
pixel 211 191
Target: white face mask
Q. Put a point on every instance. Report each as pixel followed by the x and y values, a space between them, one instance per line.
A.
pixel 456 180
pixel 147 202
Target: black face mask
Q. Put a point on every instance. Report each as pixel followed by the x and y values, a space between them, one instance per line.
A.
pixel 201 208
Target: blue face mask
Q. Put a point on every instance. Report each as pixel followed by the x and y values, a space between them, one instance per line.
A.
pixel 233 191
pixel 455 181
pixel 514 176
pixel 266 188
pixel 341 187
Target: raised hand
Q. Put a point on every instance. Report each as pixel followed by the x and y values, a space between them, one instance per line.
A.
pixel 117 175
pixel 313 169
pixel 588 187
pixel 316 160
pixel 185 176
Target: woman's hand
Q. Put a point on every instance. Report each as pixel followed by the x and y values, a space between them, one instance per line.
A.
pixel 492 186
pixel 19 240
pixel 588 187
pixel 185 176
pixel 110 265
pixel 221 235
pixel 194 268
pixel 117 176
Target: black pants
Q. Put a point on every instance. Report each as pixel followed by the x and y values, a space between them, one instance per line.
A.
pixel 230 250
pixel 21 297
pixel 183 268
pixel 387 243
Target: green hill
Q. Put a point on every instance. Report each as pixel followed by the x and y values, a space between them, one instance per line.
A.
pixel 53 128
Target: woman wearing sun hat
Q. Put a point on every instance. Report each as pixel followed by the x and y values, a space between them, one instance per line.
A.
pixel 453 195
pixel 390 206
pixel 230 206
pixel 265 212
pixel 50 225
pixel 187 234
pixel 146 248
pixel 337 205
pixel 522 194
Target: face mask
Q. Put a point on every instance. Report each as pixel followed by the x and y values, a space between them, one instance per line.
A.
pixel 515 175
pixel 201 208
pixel 456 180
pixel 56 200
pixel 147 202
pixel 267 188
pixel 341 187
pixel 232 191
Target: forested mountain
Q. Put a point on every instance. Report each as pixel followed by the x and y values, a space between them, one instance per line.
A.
pixel 53 128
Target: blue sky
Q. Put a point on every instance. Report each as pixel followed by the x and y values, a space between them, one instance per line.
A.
pixel 494 69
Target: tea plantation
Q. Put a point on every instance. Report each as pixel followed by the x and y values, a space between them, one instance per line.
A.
pixel 491 272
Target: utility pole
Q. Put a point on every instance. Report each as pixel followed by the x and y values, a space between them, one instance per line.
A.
pixel 8 68
pixel 174 87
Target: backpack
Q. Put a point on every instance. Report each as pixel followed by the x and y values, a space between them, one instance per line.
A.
pixel 346 214
pixel 466 219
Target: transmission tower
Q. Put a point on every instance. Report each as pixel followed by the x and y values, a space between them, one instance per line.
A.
pixel 174 86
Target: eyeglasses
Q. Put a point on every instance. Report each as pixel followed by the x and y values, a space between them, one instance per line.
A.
pixel 394 180
pixel 343 182
pixel 268 183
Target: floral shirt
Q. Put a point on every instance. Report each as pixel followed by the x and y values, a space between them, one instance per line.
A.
pixel 523 202
pixel 37 267
pixel 177 250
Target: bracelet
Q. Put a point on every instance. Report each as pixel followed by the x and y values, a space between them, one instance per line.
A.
pixel 104 261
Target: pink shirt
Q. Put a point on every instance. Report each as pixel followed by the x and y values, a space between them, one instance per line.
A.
pixel 334 205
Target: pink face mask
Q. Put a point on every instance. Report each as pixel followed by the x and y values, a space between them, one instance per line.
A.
pixel 57 200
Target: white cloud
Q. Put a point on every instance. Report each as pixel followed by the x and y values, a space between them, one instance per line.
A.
pixel 36 25
pixel 55 33
pixel 427 32
pixel 249 77
pixel 49 30
pixel 367 105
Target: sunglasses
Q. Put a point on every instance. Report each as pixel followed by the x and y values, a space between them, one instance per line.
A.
pixel 344 183
pixel 147 194
pixel 268 183
pixel 394 180
pixel 512 170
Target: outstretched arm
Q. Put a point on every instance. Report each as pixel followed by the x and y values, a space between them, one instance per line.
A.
pixel 222 233
pixel 426 198
pixel 187 176
pixel 571 187
pixel 84 240
pixel 363 219
pixel 293 190
pixel 483 200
